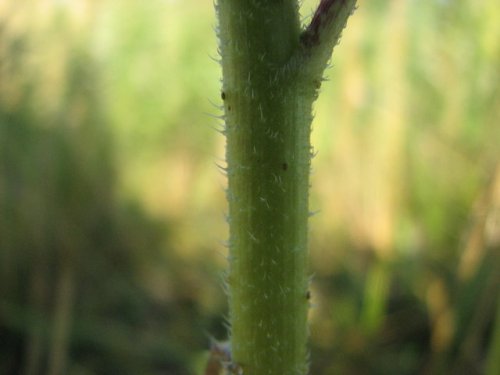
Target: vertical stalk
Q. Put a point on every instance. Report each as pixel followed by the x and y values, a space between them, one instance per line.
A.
pixel 271 72
pixel 58 350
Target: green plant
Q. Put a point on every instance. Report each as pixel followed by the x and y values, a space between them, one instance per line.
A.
pixel 272 70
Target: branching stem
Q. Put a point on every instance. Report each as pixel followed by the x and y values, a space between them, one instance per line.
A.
pixel 271 73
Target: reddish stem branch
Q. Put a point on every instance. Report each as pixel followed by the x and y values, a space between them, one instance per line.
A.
pixel 324 15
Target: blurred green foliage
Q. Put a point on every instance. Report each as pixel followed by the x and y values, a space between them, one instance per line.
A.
pixel 111 206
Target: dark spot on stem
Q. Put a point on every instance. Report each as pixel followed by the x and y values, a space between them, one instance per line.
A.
pixel 223 95
pixel 284 166
pixel 308 295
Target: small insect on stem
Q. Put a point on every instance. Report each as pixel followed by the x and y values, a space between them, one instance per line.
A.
pixel 223 95
pixel 284 166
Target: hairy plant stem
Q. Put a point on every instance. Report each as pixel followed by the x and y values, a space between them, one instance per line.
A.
pixel 271 73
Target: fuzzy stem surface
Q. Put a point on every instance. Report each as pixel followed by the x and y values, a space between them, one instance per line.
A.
pixel 271 74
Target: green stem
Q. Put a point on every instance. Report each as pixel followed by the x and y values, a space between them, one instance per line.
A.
pixel 271 73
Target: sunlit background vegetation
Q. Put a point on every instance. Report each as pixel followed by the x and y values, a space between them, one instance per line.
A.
pixel 112 207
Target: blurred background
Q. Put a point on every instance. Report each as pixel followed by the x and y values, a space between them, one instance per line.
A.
pixel 112 208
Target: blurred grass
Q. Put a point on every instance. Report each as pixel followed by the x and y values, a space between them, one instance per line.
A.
pixel 111 206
